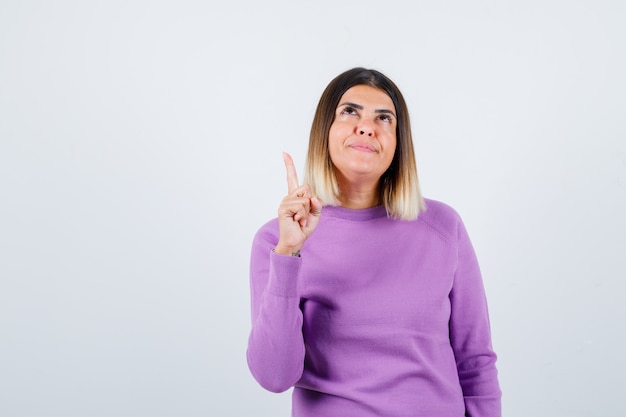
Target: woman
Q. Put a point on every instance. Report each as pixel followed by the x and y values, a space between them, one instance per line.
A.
pixel 367 298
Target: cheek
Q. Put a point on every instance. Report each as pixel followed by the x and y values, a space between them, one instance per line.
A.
pixel 334 140
pixel 391 144
pixel 338 131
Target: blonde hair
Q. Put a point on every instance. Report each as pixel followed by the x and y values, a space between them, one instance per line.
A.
pixel 399 186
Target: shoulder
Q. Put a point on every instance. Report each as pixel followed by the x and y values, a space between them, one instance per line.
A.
pixel 441 218
pixel 269 232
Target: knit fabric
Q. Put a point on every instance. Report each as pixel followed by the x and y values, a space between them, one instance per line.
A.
pixel 378 317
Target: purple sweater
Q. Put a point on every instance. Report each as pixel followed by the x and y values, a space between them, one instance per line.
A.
pixel 378 317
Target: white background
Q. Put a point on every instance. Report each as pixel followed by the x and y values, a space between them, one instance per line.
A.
pixel 140 150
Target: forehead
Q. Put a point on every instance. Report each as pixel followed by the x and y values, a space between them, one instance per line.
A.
pixel 367 96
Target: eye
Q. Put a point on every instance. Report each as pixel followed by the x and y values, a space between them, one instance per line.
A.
pixel 385 118
pixel 348 110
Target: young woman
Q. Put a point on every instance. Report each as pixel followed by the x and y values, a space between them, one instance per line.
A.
pixel 367 298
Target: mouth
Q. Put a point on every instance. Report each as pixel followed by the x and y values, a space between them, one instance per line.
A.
pixel 362 147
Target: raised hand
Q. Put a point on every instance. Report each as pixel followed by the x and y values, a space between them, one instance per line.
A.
pixel 298 213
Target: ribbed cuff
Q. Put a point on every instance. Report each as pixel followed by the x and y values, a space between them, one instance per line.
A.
pixel 284 271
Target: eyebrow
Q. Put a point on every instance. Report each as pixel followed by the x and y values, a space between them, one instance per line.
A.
pixel 359 107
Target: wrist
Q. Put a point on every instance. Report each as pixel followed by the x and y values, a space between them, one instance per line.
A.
pixel 286 251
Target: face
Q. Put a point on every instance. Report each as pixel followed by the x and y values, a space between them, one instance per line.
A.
pixel 362 138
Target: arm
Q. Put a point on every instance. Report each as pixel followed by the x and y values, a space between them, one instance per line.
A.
pixel 470 334
pixel 275 346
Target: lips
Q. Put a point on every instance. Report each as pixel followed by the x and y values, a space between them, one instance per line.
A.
pixel 362 146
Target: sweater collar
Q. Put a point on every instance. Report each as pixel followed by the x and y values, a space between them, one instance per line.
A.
pixel 355 215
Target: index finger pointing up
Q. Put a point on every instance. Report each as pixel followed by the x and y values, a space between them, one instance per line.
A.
pixel 292 175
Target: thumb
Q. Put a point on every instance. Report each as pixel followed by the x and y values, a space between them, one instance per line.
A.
pixel 316 206
pixel 315 210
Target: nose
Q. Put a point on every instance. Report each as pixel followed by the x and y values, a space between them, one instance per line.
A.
pixel 365 129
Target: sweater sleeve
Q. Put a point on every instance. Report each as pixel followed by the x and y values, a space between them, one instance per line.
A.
pixel 275 346
pixel 470 334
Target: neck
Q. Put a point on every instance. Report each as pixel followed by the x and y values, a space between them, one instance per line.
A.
pixel 358 196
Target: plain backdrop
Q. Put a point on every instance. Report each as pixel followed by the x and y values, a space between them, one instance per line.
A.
pixel 140 150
